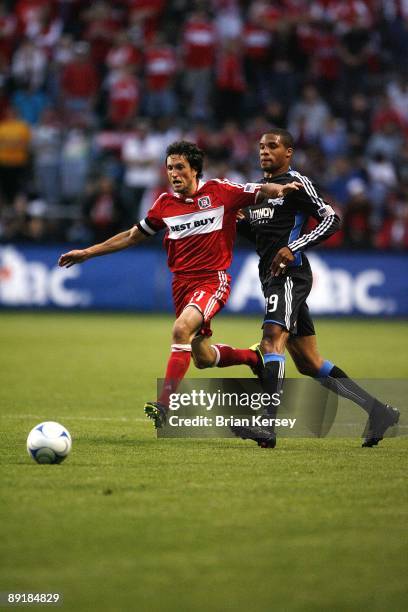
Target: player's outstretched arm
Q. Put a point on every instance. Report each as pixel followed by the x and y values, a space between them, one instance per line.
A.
pixel 274 190
pixel 118 242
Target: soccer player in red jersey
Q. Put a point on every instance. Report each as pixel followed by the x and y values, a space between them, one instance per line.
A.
pixel 200 223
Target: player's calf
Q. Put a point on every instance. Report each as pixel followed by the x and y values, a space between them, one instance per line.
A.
pixel 204 355
pixel 203 362
pixel 227 356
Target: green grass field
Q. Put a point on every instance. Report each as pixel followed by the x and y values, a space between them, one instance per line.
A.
pixel 130 522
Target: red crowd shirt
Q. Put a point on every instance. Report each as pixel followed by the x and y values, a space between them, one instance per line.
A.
pixel 270 16
pixel 8 31
pixel 147 13
pixel 256 42
pixel 393 234
pixel 230 73
pixel 28 11
pixel 150 8
pixel 199 43
pixel 348 12
pixel 344 13
pixel 326 55
pixel 200 229
pixel 99 34
pixel 387 115
pixel 124 55
pixel 160 64
pixel 80 79
pixel 123 98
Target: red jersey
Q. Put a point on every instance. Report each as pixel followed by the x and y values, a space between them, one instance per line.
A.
pixel 257 42
pixel 201 228
pixel 199 43
pixel 28 11
pixel 8 32
pixel 80 79
pixel 123 98
pixel 123 55
pixel 230 71
pixel 147 13
pixel 160 66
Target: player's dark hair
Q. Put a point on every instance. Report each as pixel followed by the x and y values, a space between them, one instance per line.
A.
pixel 193 154
pixel 286 137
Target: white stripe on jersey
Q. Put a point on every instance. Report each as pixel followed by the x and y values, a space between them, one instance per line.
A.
pixel 227 182
pixel 288 300
pixel 324 210
pixel 310 190
pixel 218 294
pixel 247 188
pixel 203 222
pixel 321 229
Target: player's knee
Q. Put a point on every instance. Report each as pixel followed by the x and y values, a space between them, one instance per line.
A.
pixel 181 332
pixel 307 367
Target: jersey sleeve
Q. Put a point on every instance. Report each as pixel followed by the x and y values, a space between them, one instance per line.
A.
pixel 310 202
pixel 237 195
pixel 153 222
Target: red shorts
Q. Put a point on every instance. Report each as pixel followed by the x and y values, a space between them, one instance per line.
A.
pixel 207 292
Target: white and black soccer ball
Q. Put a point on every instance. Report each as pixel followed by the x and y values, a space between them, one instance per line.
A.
pixel 49 442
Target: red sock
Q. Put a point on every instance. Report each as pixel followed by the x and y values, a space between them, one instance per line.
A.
pixel 229 356
pixel 177 366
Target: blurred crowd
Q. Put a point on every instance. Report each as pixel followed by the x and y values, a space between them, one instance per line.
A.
pixel 92 93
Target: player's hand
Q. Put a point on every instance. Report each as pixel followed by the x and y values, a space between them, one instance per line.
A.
pixel 281 260
pixel 240 215
pixel 288 188
pixel 73 257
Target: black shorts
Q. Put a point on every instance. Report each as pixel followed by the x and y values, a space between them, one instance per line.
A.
pixel 285 302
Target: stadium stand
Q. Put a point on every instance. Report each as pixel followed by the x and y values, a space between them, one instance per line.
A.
pixel 91 94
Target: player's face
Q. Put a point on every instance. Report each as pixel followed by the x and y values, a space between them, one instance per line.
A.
pixel 182 177
pixel 274 156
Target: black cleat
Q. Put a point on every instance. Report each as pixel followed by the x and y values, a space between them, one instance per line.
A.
pixel 264 437
pixel 157 412
pixel 258 369
pixel 380 419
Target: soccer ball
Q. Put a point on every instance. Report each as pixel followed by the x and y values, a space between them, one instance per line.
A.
pixel 49 442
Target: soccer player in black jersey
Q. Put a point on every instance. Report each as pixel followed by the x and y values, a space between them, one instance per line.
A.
pixel 276 226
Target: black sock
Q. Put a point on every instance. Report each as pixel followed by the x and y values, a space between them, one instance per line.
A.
pixel 272 378
pixel 338 382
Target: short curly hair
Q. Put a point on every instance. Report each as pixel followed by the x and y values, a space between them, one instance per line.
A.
pixel 193 154
pixel 285 136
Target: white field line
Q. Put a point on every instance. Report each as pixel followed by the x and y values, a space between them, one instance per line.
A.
pixel 74 418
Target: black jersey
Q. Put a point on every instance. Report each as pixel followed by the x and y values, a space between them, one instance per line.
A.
pixel 275 223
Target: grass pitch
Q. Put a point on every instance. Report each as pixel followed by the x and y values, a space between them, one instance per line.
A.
pixel 132 523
